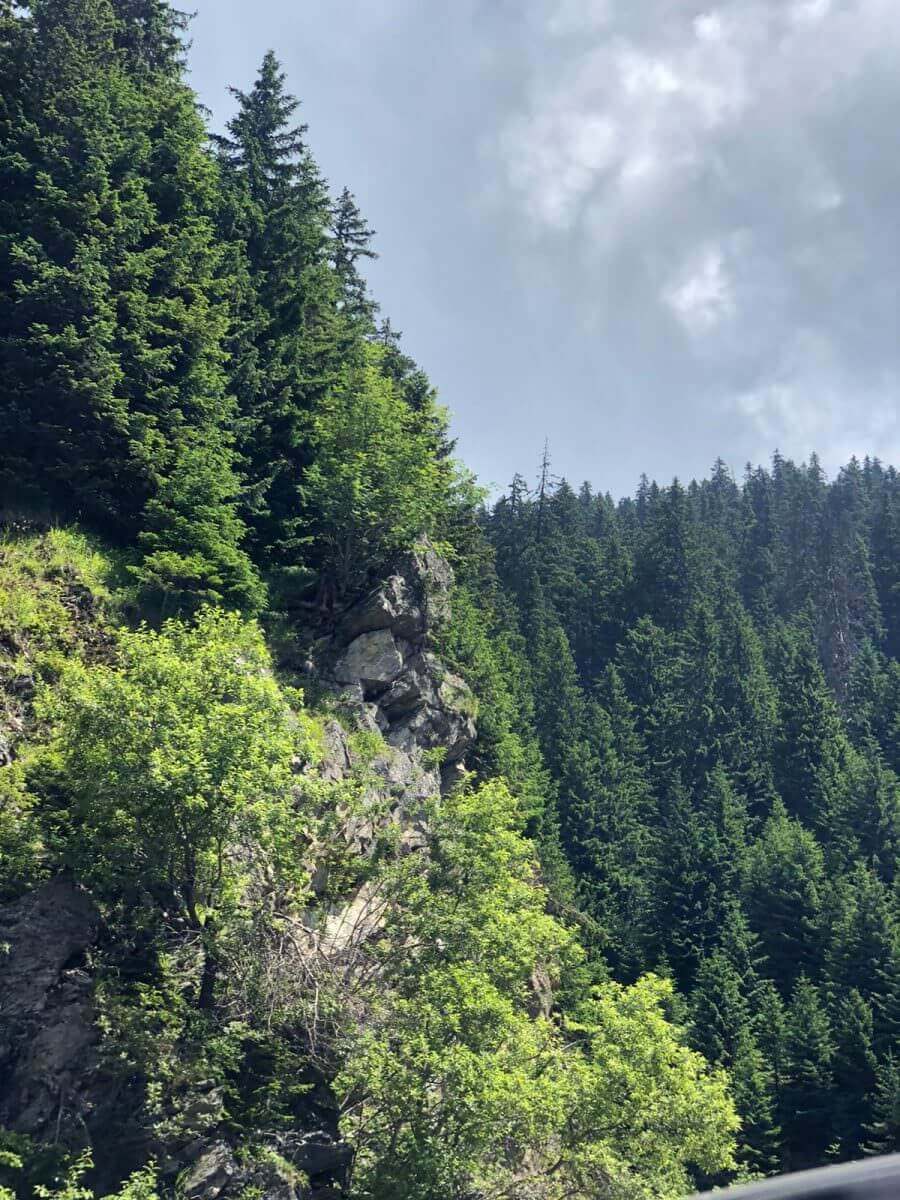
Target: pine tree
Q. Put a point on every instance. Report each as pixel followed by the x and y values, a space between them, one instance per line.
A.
pixel 884 1129
pixel 351 242
pixel 863 952
pixel 665 564
pixel 854 1072
pixel 285 345
pixel 697 870
pixel 112 326
pixel 605 814
pixel 806 1117
pixel 784 885
pixel 152 35
pixel 814 753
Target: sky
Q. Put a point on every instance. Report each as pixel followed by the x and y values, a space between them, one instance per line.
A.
pixel 653 232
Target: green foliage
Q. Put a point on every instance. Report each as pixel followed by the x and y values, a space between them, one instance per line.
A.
pixel 192 536
pixel 24 1166
pixel 455 1054
pixel 170 758
pixel 492 658
pixel 113 318
pixel 692 696
pixel 713 687
pixel 23 861
pixel 54 597
pixel 375 483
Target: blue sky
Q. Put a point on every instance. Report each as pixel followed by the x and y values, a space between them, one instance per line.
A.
pixel 651 231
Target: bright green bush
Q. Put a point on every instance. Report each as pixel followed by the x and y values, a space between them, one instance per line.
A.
pixel 173 764
pixel 460 1082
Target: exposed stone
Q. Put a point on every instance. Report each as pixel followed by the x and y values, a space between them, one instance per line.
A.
pixel 373 660
pixel 337 763
pixel 391 606
pixel 433 578
pixel 416 685
pixel 22 686
pixel 41 932
pixel 351 923
pixel 405 777
pixel 47 1034
pixel 541 997
pixel 411 602
pixel 319 1154
pixel 210 1174
pixel 434 727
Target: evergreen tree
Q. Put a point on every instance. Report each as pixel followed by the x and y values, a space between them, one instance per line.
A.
pixel 814 752
pixel 112 325
pixel 285 342
pixel 884 1128
pixel 854 1073
pixel 784 885
pixel 664 566
pixel 152 34
pixel 807 1117
pixel 863 952
pixel 351 241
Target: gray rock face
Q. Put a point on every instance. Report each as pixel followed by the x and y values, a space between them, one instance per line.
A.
pixel 391 606
pixel 209 1176
pixel 410 602
pixel 373 660
pixel 380 655
pixel 47 1035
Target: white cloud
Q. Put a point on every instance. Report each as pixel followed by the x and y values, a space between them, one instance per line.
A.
pixel 809 12
pixel 702 296
pixel 708 27
pixel 813 402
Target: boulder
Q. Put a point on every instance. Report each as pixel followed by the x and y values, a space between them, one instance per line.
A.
pixel 411 602
pixel 432 728
pixel 210 1174
pixel 42 932
pixel 337 763
pixel 373 660
pixel 414 687
pixel 319 1154
pixel 433 578
pixel 391 606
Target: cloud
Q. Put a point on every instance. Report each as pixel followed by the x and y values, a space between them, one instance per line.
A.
pixel 735 164
pixel 579 16
pixel 655 231
pixel 702 297
pixel 810 401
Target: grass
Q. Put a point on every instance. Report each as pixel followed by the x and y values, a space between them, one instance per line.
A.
pixel 58 596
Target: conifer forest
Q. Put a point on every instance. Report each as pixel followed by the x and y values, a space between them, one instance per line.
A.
pixel 365 835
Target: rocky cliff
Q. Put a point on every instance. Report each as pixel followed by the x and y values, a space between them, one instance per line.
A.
pixel 376 673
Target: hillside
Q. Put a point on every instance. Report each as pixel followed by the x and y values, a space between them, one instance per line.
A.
pixel 713 691
pixel 281 914
pixel 360 840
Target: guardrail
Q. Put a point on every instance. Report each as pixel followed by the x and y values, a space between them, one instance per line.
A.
pixel 870 1179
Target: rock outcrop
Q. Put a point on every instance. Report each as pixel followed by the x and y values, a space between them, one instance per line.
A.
pixel 380 668
pixel 380 663
pixel 47 1034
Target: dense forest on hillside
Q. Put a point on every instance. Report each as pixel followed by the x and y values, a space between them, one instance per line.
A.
pixel 713 700
pixel 358 839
